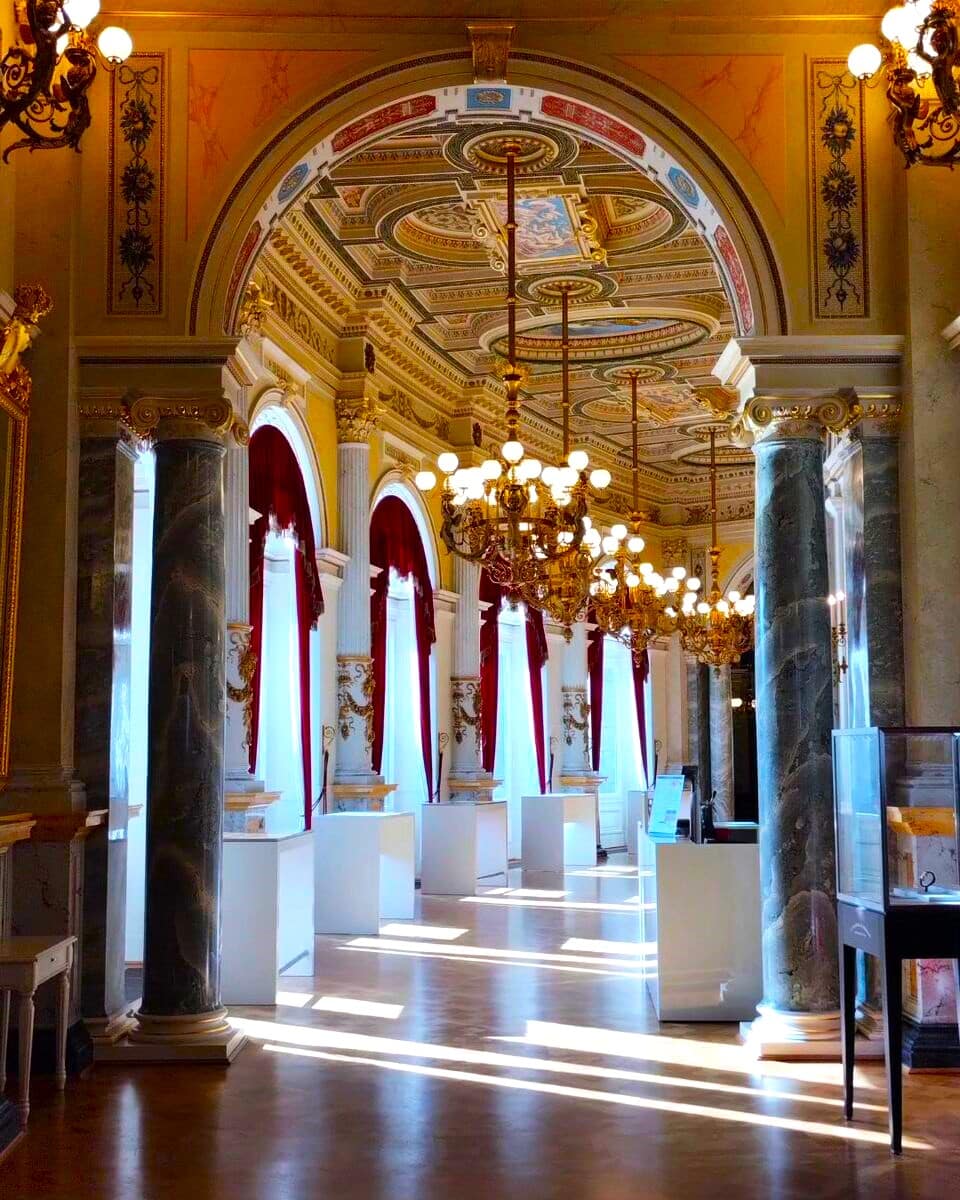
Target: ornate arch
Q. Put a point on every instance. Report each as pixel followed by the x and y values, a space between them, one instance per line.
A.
pixel 395 483
pixel 269 408
pixel 575 96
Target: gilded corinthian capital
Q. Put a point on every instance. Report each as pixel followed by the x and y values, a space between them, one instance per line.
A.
pixel 356 418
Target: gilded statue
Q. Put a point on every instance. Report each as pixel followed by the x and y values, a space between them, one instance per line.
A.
pixel 31 303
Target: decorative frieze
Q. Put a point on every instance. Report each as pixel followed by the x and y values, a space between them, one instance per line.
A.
pixel 576 717
pixel 466 705
pixel 355 697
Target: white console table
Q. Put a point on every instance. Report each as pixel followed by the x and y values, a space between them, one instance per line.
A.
pixel 462 843
pixel 559 830
pixel 267 914
pixel 700 906
pixel 365 869
pixel 25 963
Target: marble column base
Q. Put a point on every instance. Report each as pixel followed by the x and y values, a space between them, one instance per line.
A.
pixel 793 1035
pixel 246 811
pixel 361 796
pixel 107 1031
pixel 870 1022
pixel 193 1037
pixel 476 789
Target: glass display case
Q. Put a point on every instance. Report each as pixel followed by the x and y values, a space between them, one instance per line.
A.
pixel 897 806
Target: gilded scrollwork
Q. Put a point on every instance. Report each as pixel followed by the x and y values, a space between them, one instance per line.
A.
pixel 765 417
pixel 355 677
pixel 31 302
pixel 466 702
pixel 246 664
pixel 576 716
pixel 254 309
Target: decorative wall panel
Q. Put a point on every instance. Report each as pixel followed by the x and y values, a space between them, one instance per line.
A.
pixel 838 201
pixel 135 215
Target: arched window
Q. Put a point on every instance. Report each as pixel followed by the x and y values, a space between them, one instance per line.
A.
pixel 402 635
pixel 285 596
pixel 513 653
pixel 619 704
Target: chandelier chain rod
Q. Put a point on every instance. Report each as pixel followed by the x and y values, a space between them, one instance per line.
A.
pixel 513 415
pixel 565 368
pixel 634 423
pixel 714 538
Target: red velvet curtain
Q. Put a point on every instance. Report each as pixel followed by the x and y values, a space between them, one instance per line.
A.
pixel 595 675
pixel 395 542
pixel 278 494
pixel 536 657
pixel 491 594
pixel 641 671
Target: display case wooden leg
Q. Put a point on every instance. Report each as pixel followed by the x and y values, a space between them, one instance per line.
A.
pixel 893 1023
pixel 848 1024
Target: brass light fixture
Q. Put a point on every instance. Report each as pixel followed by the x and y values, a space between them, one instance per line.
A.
pixel 511 514
pixel 630 599
pixel 921 63
pixel 45 76
pixel 719 629
pixel 563 590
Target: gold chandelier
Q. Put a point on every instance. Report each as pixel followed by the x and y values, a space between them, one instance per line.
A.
pixel 563 589
pixel 921 61
pixel 630 599
pixel 45 76
pixel 719 629
pixel 511 514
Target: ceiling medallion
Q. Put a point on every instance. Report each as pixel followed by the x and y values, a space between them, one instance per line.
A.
pixel 580 289
pixel 484 151
pixel 646 374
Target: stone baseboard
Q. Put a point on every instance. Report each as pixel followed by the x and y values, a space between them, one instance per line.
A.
pixel 930 1047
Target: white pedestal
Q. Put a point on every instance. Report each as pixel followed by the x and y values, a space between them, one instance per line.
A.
pixel 365 865
pixel 701 907
pixel 267 914
pixel 462 843
pixel 559 830
pixel 636 815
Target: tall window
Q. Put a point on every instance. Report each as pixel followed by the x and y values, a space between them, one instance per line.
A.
pixel 402 752
pixel 621 761
pixel 279 746
pixel 516 760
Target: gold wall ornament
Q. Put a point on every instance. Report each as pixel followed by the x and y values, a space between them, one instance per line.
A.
pixel 490 43
pixel 31 304
pixel 355 675
pixel 246 660
pixel 45 75
pixel 920 63
pixel 356 418
pixel 576 716
pixel 254 309
pixel 466 704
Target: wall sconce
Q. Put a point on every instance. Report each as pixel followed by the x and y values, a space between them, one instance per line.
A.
pixel 44 76
pixel 838 634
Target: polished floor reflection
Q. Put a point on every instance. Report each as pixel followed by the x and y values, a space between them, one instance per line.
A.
pixel 499 1046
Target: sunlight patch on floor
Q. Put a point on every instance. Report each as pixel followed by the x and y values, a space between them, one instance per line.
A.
pixel 792 1124
pixel 358 1008
pixel 602 946
pixel 582 905
pixel 442 933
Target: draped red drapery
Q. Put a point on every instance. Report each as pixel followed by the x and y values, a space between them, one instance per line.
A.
pixel 279 497
pixel 536 657
pixel 492 594
pixel 641 671
pixel 395 542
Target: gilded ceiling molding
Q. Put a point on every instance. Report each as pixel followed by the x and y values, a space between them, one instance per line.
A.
pixel 490 47
pixel 401 404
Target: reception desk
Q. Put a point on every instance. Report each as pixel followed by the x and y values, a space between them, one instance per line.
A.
pixel 700 906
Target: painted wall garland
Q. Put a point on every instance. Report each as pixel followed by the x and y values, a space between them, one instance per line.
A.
pixel 136 168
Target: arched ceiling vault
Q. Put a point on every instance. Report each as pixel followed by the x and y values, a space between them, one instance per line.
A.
pixel 418 217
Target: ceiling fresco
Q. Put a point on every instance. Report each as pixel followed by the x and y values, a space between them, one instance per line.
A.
pixel 421 212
